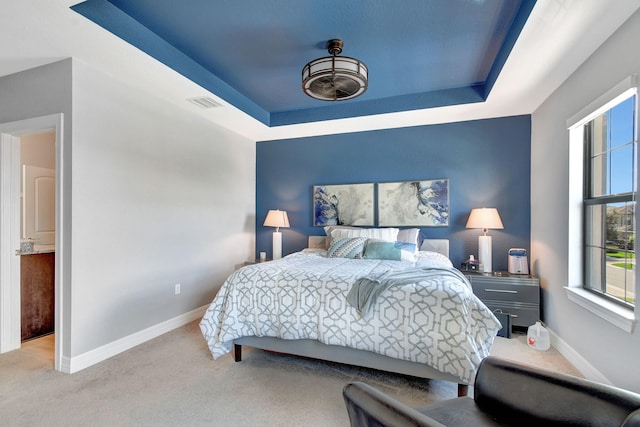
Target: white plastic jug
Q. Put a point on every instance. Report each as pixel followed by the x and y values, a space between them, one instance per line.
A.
pixel 538 337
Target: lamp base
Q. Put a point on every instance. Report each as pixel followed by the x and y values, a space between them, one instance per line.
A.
pixel 277 245
pixel 484 253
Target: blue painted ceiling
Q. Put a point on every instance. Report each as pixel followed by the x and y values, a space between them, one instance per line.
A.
pixel 420 53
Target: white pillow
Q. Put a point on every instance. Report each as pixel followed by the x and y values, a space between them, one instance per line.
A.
pixel 409 235
pixel 329 228
pixel 386 234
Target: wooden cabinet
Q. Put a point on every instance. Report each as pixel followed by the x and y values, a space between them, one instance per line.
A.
pixel 518 295
pixel 37 289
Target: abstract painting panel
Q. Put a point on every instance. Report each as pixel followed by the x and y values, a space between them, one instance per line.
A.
pixel 349 204
pixel 414 203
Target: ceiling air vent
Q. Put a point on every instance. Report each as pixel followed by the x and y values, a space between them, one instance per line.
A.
pixel 205 102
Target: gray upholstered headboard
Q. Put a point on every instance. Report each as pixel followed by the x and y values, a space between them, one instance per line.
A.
pixel 435 245
pixel 317 242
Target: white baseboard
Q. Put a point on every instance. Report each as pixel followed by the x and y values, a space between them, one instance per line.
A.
pixel 82 361
pixel 580 363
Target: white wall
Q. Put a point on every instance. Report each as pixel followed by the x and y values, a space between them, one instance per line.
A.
pixel 160 196
pixel 39 92
pixel 608 350
pixel 156 196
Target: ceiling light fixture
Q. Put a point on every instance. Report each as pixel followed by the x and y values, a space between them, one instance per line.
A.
pixel 335 78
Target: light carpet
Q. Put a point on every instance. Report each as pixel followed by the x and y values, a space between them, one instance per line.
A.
pixel 173 381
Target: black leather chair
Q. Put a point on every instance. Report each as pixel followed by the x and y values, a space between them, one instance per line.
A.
pixel 505 394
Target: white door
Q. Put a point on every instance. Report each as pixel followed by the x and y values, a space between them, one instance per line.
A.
pixel 39 204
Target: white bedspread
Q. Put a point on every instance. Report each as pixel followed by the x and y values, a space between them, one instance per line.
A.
pixel 437 321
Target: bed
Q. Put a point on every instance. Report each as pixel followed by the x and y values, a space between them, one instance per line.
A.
pixel 425 322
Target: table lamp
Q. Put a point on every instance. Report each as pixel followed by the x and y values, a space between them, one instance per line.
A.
pixel 484 218
pixel 277 218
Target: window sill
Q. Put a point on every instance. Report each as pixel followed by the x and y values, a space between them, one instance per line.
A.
pixel 621 317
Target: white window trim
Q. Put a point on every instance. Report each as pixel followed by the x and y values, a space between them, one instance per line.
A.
pixel 622 317
pixel 613 313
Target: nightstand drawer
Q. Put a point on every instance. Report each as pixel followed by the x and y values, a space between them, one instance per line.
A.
pixel 518 295
pixel 506 292
pixel 521 314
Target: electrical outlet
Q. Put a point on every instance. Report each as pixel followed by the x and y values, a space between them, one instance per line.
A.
pixel 177 288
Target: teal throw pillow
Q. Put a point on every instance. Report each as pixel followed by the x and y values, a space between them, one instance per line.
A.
pixel 395 251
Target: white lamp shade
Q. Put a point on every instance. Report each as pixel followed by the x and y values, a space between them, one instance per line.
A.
pixel 276 218
pixel 484 218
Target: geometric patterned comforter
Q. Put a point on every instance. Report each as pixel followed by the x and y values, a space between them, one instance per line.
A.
pixel 437 321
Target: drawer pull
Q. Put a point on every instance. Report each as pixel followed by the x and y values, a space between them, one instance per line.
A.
pixel 503 291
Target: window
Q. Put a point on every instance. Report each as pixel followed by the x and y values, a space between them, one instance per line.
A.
pixel 603 181
pixel 609 202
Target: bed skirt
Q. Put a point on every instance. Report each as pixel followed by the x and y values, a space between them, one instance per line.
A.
pixel 348 356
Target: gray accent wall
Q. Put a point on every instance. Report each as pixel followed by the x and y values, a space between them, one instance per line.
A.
pixel 594 344
pixel 156 196
pixel 161 197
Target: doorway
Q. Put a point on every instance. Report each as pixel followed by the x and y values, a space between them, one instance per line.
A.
pixel 11 135
pixel 37 235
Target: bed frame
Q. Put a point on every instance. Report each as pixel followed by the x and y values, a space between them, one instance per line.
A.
pixel 349 356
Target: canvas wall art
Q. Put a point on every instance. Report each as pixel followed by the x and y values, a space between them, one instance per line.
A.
pixel 348 204
pixel 414 203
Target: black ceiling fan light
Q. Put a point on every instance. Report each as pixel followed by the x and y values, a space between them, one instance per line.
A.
pixel 335 78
